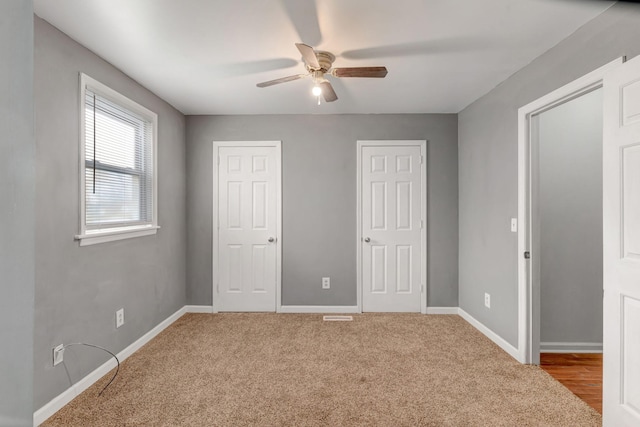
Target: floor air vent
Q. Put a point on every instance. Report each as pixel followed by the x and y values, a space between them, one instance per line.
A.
pixel 337 318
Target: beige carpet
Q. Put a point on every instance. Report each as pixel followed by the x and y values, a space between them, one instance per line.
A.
pixel 296 370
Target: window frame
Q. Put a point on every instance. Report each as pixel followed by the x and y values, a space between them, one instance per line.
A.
pixel 90 235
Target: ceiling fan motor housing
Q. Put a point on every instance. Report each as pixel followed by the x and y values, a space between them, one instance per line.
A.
pixel 325 59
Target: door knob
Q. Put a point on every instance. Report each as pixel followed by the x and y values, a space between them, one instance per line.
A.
pixel 271 240
pixel 367 240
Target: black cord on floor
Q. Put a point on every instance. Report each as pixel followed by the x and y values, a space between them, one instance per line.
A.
pixel 103 349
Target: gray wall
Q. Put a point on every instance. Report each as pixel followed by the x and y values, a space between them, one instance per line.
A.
pixel 17 194
pixel 78 289
pixel 570 203
pixel 488 162
pixel 319 198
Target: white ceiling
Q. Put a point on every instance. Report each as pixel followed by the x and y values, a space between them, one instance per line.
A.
pixel 206 56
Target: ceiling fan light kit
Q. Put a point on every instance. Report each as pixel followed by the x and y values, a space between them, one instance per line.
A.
pixel 319 64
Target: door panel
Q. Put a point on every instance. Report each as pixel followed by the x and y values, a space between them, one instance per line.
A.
pixel 621 155
pixel 379 205
pixel 404 203
pixel 391 228
pixel 260 190
pixel 378 269
pixel 247 220
pixel 403 269
pixel 631 201
pixel 259 263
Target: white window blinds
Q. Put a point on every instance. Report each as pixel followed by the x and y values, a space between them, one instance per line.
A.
pixel 118 165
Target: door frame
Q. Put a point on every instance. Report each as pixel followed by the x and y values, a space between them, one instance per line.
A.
pixel 528 215
pixel 423 213
pixel 214 225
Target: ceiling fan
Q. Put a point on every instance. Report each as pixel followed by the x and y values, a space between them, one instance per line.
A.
pixel 319 64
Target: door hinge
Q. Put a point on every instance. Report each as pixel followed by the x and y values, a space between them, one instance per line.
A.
pixel 527 255
pixel 421 159
pixel 423 288
pixel 421 224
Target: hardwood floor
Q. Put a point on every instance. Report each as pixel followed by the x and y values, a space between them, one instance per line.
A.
pixel 580 373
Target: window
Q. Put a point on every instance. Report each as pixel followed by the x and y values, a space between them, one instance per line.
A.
pixel 117 165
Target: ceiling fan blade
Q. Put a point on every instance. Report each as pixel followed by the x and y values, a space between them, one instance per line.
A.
pixel 282 80
pixel 303 15
pixel 252 67
pixel 327 92
pixel 375 72
pixel 309 55
pixel 427 47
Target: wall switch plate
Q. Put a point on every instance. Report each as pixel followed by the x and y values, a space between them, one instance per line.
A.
pixel 58 354
pixel 514 225
pixel 326 283
pixel 119 318
pixel 487 300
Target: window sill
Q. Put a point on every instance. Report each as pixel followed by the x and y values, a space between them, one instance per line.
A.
pixel 94 237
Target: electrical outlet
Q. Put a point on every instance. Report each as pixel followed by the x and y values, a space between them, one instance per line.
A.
pixel 119 318
pixel 58 354
pixel 326 283
pixel 487 300
pixel 514 225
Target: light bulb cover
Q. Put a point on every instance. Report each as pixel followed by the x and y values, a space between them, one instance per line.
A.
pixel 316 91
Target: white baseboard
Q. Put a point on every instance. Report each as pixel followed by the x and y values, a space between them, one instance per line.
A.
pixel 72 392
pixel 500 342
pixel 350 309
pixel 443 310
pixel 319 309
pixel 198 308
pixel 570 347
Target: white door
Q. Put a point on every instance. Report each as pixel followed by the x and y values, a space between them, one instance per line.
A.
pixel 392 218
pixel 621 167
pixel 247 228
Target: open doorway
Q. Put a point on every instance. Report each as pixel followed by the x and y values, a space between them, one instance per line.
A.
pixel 560 212
pixel 567 168
pixel 567 142
pixel 563 117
